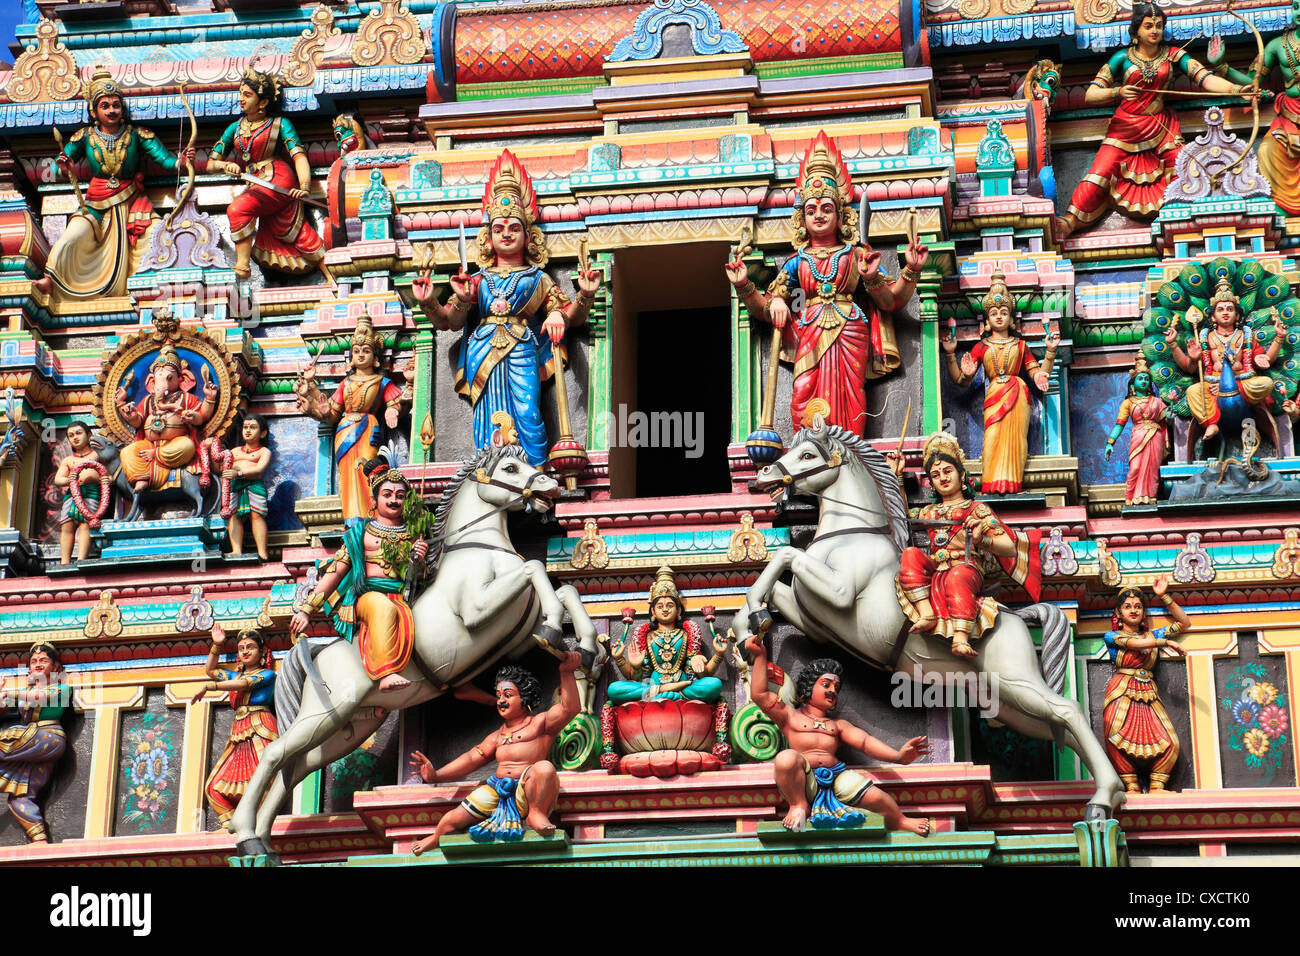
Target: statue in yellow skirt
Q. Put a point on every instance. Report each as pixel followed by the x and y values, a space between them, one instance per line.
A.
pixel 365 581
pixel 167 421
pixel 163 397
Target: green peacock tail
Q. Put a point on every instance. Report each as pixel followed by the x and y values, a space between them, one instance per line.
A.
pixel 1260 292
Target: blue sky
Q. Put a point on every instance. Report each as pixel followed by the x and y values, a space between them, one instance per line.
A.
pixel 11 14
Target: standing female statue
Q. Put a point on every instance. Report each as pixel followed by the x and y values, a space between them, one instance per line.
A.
pixel 1005 358
pixel 1146 449
pixel 251 686
pixel 1138 728
pixel 365 406
pixel 844 333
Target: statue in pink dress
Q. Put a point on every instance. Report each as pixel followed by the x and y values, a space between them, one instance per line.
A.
pixel 1146 450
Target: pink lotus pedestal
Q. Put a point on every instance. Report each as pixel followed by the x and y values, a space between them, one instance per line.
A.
pixel 664 738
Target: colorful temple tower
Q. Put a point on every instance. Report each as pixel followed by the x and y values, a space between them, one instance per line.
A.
pixel 612 305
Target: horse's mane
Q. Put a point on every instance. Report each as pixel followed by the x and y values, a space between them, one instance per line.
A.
pixel 832 438
pixel 487 459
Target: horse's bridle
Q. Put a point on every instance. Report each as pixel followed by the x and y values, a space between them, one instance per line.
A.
pixel 835 461
pixel 520 494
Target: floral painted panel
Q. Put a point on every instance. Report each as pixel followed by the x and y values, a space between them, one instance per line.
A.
pixel 149 768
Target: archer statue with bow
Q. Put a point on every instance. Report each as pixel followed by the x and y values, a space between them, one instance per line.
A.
pixel 1136 160
pixel 1279 149
pixel 98 250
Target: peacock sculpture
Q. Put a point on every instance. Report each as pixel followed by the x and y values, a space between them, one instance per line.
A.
pixel 1185 302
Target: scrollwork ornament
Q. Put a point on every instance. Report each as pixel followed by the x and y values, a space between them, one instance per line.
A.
pixel 590 551
pixel 46 70
pixel 1194 563
pixel 1286 559
pixel 308 50
pixel 1095 11
pixel 104 619
pixel 388 36
pixel 746 542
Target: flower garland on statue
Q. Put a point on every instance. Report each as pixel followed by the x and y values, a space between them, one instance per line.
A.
pixel 225 459
pixel 74 488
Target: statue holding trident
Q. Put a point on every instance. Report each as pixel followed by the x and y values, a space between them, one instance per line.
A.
pixel 513 314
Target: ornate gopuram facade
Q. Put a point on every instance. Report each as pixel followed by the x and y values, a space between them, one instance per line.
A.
pixel 840 431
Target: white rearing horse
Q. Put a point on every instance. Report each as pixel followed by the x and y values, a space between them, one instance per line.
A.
pixel 485 602
pixel 843 591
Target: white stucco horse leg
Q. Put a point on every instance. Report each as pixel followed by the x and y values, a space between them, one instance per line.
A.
pixel 842 591
pixel 484 601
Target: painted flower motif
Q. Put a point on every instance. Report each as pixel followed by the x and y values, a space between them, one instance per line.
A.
pixel 142 805
pixel 1256 742
pixel 142 791
pixel 1245 712
pixel 149 735
pixel 159 762
pixel 141 770
pixel 1263 693
pixel 143 748
pixel 1273 721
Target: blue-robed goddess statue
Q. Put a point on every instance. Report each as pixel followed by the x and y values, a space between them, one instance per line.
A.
pixel 513 314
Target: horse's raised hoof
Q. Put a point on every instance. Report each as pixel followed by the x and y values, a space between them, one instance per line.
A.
pixel 588 658
pixel 551 635
pixel 252 847
pixel 1096 812
pixel 760 621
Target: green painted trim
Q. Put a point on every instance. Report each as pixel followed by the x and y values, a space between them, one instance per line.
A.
pixel 1110 265
pixel 932 398
pixel 747 387
pixel 863 845
pixel 1065 762
pixel 307 795
pixel 467 92
pixel 426 372
pixel 823 65
pixel 599 384
pixel 959 725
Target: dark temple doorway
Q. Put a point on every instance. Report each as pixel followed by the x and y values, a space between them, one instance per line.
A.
pixel 672 370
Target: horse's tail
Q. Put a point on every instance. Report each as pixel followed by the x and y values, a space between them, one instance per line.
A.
pixel 298 668
pixel 1056 640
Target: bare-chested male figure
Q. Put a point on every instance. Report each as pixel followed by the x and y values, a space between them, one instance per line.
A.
pixel 524 788
pixel 810 775
pixel 73 525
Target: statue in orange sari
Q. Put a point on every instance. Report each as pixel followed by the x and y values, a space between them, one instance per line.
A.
pixel 365 406
pixel 844 332
pixel 1005 358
